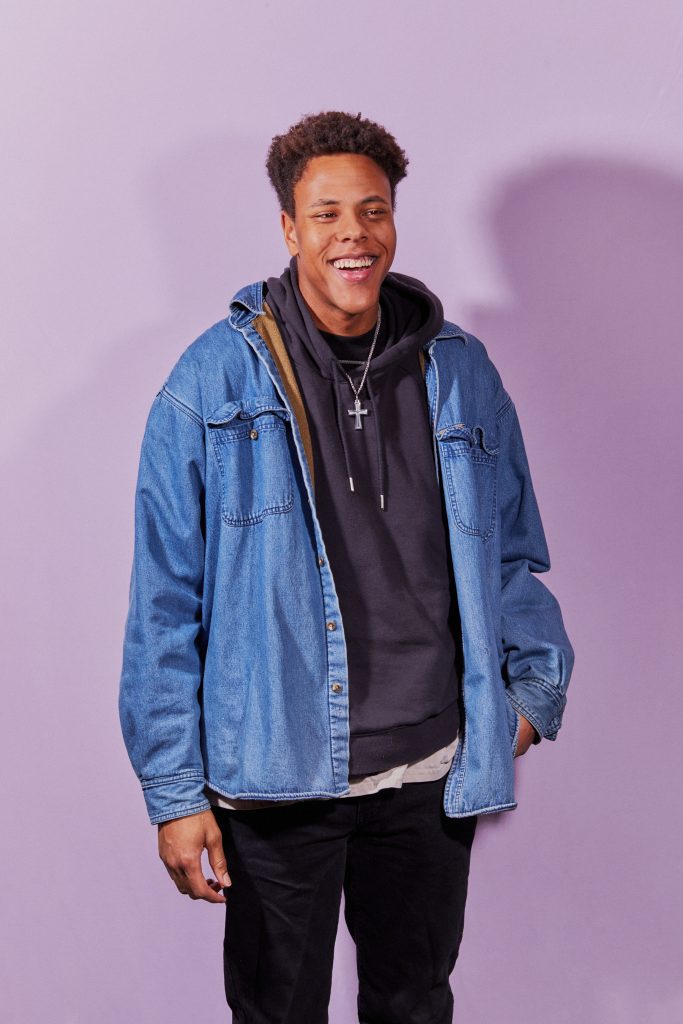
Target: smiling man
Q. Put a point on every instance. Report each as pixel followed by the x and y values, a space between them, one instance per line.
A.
pixel 337 641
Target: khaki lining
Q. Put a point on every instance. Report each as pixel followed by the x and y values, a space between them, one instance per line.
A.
pixel 267 327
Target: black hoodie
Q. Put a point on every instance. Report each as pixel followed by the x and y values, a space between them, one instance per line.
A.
pixel 385 536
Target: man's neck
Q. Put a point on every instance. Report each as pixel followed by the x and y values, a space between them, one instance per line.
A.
pixel 338 321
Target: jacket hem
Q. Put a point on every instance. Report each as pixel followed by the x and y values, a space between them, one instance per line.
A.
pixel 168 780
pixel 491 809
pixel 270 795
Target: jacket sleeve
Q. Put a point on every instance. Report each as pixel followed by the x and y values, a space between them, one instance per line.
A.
pixel 537 656
pixel 163 645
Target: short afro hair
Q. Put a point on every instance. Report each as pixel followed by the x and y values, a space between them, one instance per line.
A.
pixel 324 134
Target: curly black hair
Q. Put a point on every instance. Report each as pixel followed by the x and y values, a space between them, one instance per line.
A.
pixel 329 132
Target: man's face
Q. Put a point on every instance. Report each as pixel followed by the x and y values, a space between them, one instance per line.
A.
pixel 342 209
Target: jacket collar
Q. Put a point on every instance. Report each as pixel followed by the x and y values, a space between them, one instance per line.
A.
pixel 249 298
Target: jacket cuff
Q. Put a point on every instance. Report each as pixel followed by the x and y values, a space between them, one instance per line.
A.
pixel 174 796
pixel 539 702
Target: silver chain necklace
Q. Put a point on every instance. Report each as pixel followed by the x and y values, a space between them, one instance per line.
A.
pixel 357 411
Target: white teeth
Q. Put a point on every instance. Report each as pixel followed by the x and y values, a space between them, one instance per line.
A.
pixel 364 261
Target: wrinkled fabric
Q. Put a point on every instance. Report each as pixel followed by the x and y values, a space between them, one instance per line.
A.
pixel 427 769
pixel 234 671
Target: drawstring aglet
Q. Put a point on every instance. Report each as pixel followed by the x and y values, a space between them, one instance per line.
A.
pixel 351 482
pixel 381 501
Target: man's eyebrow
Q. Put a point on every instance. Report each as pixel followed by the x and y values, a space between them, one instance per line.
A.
pixel 335 202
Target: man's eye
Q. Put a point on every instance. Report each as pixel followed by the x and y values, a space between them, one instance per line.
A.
pixel 328 214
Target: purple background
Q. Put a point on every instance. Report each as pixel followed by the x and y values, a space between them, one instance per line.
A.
pixel 544 204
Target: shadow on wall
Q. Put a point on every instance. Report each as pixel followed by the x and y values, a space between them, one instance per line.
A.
pixel 589 346
pixel 592 251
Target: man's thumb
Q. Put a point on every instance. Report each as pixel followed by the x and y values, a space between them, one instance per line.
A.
pixel 217 860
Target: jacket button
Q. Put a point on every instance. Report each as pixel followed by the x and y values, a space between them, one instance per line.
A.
pixel 337 687
pixel 253 434
pixel 321 561
pixel 331 625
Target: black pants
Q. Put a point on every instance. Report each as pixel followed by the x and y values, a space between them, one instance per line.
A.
pixel 403 867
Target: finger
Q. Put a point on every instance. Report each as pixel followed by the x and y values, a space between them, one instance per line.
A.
pixel 214 846
pixel 181 880
pixel 198 887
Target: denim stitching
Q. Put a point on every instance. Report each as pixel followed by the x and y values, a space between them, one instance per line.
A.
pixel 515 738
pixel 237 520
pixel 259 517
pixel 165 780
pixel 504 408
pixel 238 433
pixel 551 689
pixel 519 706
pixel 179 812
pixel 172 400
pixel 267 795
pixel 484 810
pixel 483 460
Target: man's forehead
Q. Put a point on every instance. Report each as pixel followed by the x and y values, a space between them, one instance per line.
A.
pixel 324 175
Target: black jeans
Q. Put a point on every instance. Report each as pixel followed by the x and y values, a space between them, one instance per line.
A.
pixel 403 867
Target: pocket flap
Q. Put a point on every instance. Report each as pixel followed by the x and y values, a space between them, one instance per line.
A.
pixel 224 414
pixel 455 432
pixel 478 436
pixel 246 409
pixel 487 438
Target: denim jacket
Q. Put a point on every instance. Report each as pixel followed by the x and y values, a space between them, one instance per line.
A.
pixel 234 670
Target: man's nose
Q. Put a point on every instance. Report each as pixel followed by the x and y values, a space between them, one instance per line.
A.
pixel 350 225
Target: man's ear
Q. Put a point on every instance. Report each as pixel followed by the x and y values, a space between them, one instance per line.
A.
pixel 289 231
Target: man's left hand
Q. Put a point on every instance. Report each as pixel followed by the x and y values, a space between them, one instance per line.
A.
pixel 527 734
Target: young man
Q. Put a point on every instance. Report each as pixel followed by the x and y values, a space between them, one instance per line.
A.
pixel 337 640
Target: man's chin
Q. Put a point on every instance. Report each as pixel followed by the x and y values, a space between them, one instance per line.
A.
pixel 340 298
pixel 355 300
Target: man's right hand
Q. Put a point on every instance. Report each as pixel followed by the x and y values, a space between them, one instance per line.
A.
pixel 181 844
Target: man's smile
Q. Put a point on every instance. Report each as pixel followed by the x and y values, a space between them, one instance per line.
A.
pixel 358 268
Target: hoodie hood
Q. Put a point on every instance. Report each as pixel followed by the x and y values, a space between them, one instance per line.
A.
pixel 411 316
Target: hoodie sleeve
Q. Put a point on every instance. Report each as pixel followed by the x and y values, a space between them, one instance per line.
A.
pixel 163 642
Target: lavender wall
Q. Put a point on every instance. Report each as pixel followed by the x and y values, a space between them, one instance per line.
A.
pixel 545 205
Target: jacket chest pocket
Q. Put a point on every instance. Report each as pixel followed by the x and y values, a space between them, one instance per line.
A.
pixel 469 458
pixel 249 441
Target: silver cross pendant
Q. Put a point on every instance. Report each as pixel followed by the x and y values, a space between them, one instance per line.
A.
pixel 357 412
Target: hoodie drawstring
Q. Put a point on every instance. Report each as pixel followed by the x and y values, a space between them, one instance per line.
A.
pixel 378 443
pixel 378 438
pixel 340 425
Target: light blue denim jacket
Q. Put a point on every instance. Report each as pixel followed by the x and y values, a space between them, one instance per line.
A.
pixel 234 659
